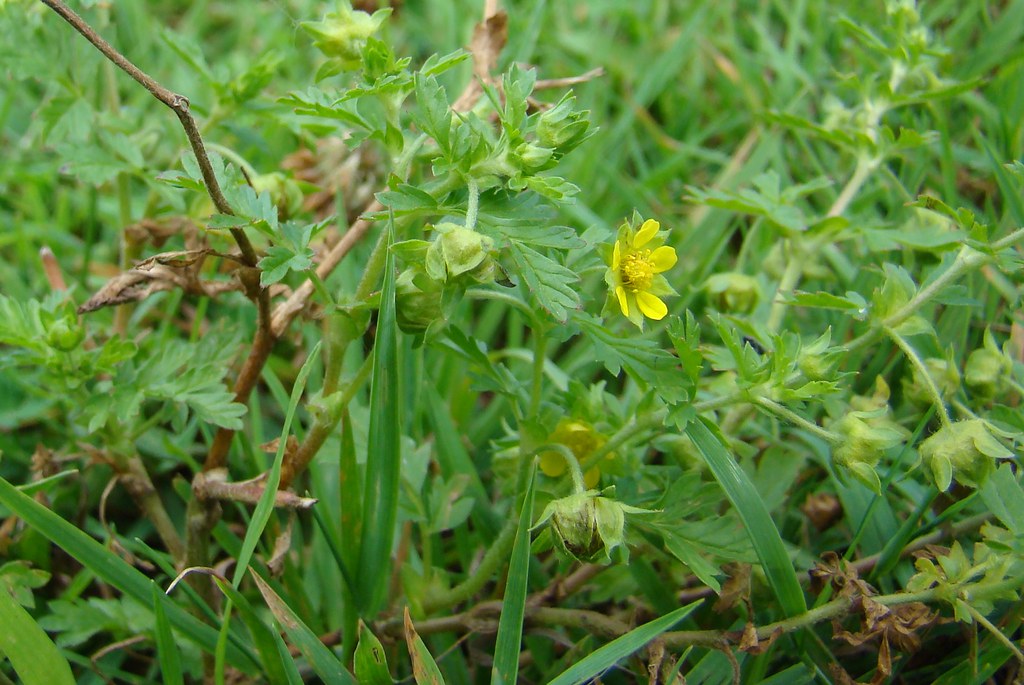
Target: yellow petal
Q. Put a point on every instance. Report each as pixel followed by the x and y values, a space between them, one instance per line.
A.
pixel 650 306
pixel 646 232
pixel 552 464
pixel 663 258
pixel 616 256
pixel 592 477
pixel 620 293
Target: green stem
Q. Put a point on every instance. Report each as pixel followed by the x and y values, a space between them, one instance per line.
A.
pixel 403 163
pixel 540 342
pixel 966 260
pixel 865 165
pixel 964 409
pixel 1016 386
pixel 374 268
pixel 834 609
pixel 773 407
pixel 795 264
pixel 790 278
pixel 655 419
pixel 319 286
pixel 571 462
pixel 495 556
pixel 500 296
pixel 996 633
pixel 473 203
pixel 929 382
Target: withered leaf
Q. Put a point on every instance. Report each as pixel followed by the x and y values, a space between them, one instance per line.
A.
pixel 164 271
pixel 736 589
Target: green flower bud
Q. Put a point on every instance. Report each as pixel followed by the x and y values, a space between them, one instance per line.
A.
pixel 534 157
pixel 586 526
pixel 343 34
pixel 417 301
pixel 964 451
pixel 734 293
pixel 562 127
pixel 285 192
pixel 457 250
pixel 987 369
pixel 942 371
pixel 65 334
pixel 865 437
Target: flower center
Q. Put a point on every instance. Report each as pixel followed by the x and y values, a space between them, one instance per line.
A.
pixel 637 270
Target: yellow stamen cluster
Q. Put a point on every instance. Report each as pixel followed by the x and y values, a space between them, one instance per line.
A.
pixel 637 270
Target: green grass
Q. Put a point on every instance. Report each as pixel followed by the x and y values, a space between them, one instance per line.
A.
pixel 851 169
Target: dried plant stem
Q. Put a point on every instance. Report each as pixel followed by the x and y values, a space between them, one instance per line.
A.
pixel 135 478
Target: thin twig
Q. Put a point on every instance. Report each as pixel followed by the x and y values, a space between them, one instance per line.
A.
pixel 214 485
pixel 548 83
pixel 178 104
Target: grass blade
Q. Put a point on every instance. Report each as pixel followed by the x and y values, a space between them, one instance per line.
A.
pixel 764 536
pixel 113 570
pixel 35 658
pixel 265 507
pixel 510 625
pixel 384 460
pixel 277 669
pixel 166 649
pixel 323 661
pixel 599 661
pixel 424 668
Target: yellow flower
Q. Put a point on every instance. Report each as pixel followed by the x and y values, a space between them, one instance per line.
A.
pixel 638 259
pixel 582 440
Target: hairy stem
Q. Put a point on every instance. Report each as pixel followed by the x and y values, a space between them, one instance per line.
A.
pixel 495 556
pixel 926 376
pixel 786 414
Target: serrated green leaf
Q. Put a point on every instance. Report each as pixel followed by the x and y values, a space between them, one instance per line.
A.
pixel 851 302
pixel 549 281
pixel 642 359
pixel 536 234
pixel 434 65
pixel 279 260
pixel 433 113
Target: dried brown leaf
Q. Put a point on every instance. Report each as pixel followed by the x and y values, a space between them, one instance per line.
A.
pixel 822 509
pixel 734 590
pixel 164 271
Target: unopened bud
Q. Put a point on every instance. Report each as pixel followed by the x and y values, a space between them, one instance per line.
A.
pixel 733 293
pixel 964 451
pixel 457 250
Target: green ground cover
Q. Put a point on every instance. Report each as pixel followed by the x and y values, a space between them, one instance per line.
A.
pixel 533 341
